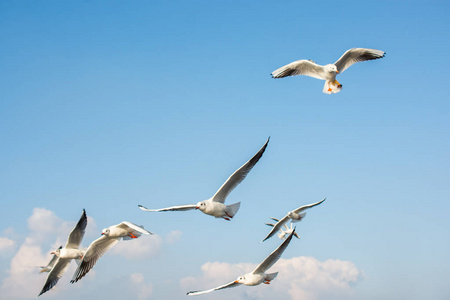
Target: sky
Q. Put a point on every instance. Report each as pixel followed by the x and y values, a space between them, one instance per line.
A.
pixel 105 105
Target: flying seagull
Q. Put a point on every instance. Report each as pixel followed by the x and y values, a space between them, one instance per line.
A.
pixel 328 72
pixel 110 237
pixel 215 206
pixel 66 254
pixel 50 264
pixel 258 275
pixel 285 230
pixel 294 216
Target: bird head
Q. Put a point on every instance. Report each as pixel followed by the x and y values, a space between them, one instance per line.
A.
pixel 240 279
pixel 105 231
pixel 331 68
pixel 201 205
pixel 57 252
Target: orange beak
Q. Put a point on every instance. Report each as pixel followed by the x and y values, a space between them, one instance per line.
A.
pixel 236 281
pixel 337 71
pixel 197 207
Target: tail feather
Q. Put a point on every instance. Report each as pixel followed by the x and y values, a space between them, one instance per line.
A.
pixel 331 87
pixel 271 276
pixel 233 209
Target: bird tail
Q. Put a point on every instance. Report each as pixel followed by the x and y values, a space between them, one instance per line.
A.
pixel 332 87
pixel 271 276
pixel 233 209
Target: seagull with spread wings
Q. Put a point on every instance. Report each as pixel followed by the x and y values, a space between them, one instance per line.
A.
pixel 215 206
pixel 328 72
pixel 66 254
pixel 110 237
pixel 258 275
pixel 294 216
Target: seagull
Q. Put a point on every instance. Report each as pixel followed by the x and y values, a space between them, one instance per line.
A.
pixel 258 275
pixel 215 206
pixel 328 72
pixel 110 237
pixel 285 230
pixel 66 254
pixel 51 263
pixel 294 216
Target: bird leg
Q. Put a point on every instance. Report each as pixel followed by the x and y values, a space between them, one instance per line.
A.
pixel 227 218
pixel 335 82
pixel 132 236
pixel 267 281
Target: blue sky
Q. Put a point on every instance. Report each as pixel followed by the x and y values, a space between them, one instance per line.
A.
pixel 109 104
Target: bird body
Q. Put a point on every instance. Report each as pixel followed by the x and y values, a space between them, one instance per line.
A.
pixel 328 72
pixel 258 275
pixel 294 216
pixel 66 254
pixel 110 236
pixel 215 206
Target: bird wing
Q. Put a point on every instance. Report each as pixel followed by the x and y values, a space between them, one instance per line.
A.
pixel 355 55
pixel 128 225
pixel 238 176
pixel 51 263
pixel 305 207
pixel 276 227
pixel 55 274
pixel 172 208
pixel 77 233
pixel 300 67
pixel 95 250
pixel 228 285
pixel 274 256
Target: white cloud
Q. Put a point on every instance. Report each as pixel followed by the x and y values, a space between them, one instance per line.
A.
pixel 173 236
pixel 48 232
pixel 6 245
pixel 298 278
pixel 144 290
pixel 143 247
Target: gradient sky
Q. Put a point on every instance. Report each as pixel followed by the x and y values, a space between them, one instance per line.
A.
pixel 105 105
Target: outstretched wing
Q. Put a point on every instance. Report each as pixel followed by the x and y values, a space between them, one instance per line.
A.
pixel 95 250
pixel 300 67
pixel 172 208
pixel 305 207
pixel 228 285
pixel 274 256
pixel 238 176
pixel 355 55
pixel 276 227
pixel 77 233
pixel 55 274
pixel 133 227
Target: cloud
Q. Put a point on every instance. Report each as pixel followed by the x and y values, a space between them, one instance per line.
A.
pixel 298 278
pixel 173 236
pixel 48 232
pixel 143 247
pixel 6 245
pixel 144 290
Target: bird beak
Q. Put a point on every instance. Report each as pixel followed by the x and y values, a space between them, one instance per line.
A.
pixel 52 252
pixel 102 233
pixel 337 71
pixel 236 281
pixel 197 207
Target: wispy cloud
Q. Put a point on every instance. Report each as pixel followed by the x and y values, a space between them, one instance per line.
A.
pixel 144 290
pixel 298 278
pixel 6 245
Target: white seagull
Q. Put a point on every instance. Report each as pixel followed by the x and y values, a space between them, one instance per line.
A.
pixel 215 206
pixel 328 72
pixel 110 237
pixel 258 275
pixel 50 264
pixel 66 254
pixel 294 216
pixel 284 231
